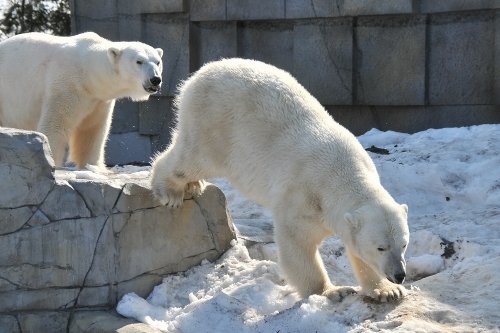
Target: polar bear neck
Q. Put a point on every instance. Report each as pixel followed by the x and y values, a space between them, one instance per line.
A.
pixel 106 84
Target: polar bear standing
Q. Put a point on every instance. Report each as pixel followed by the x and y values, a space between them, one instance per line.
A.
pixel 66 87
pixel 257 126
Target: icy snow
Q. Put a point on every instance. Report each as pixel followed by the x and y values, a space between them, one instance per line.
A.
pixel 450 178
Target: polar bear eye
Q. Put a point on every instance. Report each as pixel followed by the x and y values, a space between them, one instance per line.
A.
pixel 158 63
pixel 139 62
pixel 381 249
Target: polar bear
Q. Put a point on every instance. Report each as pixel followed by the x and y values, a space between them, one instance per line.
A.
pixel 257 126
pixel 66 87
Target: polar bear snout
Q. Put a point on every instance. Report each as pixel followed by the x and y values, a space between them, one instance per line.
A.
pixel 399 277
pixel 154 85
pixel 155 80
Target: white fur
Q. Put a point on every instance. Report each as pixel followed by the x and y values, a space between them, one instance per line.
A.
pixel 65 87
pixel 257 126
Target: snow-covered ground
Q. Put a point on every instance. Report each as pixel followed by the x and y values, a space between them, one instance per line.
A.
pixel 450 178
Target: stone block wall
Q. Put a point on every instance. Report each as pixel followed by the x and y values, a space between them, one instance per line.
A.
pixel 392 64
pixel 71 245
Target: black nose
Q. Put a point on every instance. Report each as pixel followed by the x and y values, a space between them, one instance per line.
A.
pixel 400 277
pixel 155 80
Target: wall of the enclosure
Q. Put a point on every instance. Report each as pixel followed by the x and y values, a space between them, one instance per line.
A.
pixel 402 65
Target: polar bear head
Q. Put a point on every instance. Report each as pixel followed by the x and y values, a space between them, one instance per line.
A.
pixel 378 234
pixel 139 67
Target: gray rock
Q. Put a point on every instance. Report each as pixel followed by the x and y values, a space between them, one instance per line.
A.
pixel 9 324
pixel 105 322
pixel 150 6
pixel 44 321
pixel 92 238
pixel 63 202
pixel 156 116
pixel 26 167
pixel 432 6
pixel 126 115
pixel 13 219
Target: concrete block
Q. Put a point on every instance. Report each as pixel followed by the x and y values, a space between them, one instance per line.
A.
pixel 125 116
pixel 322 59
pixel 156 116
pixel 213 41
pixel 313 8
pixel 270 42
pixel 411 119
pixel 95 9
pixel 461 58
pixel 150 6
pixel 370 7
pixel 128 148
pixel 433 6
pixel 255 9
pixel 171 33
pixel 107 28
pixel 207 10
pixel 130 27
pixel 497 58
pixel 390 60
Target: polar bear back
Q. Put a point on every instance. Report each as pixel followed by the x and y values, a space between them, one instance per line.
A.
pixel 259 121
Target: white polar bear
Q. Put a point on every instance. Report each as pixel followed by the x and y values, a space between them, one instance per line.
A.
pixel 257 126
pixel 66 87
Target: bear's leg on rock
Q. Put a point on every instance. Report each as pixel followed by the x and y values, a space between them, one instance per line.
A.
pixel 176 176
pixel 88 140
pixel 372 284
pixel 298 240
pixel 57 131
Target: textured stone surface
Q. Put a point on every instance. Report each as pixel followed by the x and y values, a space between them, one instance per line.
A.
pixel 390 56
pixel 150 6
pixel 207 10
pixel 25 161
pixel 322 59
pixel 462 53
pixel 215 40
pixel 255 9
pixel 92 237
pixel 271 42
pixel 106 322
pixel 430 6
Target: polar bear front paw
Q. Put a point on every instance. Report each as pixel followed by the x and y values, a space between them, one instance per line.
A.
pixel 337 294
pixel 168 197
pixel 387 291
pixel 194 188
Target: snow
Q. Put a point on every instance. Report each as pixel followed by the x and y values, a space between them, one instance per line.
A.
pixel 450 178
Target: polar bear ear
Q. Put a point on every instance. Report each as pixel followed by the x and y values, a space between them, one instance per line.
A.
pixel 352 220
pixel 114 54
pixel 160 52
pixel 405 208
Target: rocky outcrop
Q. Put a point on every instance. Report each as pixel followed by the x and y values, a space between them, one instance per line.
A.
pixel 79 240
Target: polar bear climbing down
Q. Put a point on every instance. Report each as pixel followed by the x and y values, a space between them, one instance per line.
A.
pixel 257 126
pixel 66 87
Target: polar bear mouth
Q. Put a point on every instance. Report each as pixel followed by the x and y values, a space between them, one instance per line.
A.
pixel 152 89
